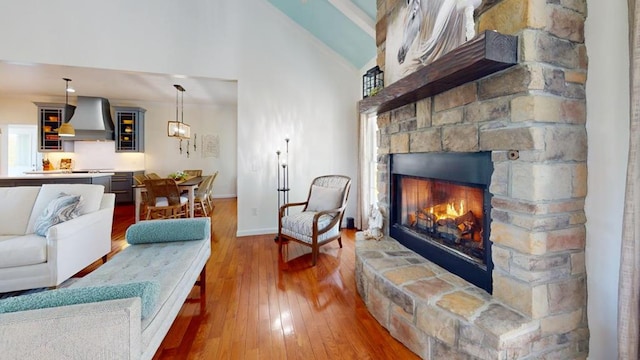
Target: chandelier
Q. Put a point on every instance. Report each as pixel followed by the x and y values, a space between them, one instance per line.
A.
pixel 178 128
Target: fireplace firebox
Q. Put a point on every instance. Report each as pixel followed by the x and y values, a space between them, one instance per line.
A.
pixel 440 208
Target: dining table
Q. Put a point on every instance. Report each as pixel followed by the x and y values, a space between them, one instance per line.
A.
pixel 190 185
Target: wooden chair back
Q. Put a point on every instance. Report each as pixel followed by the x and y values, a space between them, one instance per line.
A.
pixel 193 173
pixel 163 199
pixel 162 188
pixel 210 187
pixel 203 187
pixel 333 181
pixel 139 179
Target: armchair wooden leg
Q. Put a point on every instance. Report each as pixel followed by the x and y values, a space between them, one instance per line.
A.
pixel 314 255
pixel 340 242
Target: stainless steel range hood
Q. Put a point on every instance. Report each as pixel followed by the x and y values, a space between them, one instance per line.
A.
pixel 92 119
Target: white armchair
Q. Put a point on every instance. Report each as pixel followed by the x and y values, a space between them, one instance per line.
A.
pixel 320 221
pixel 28 260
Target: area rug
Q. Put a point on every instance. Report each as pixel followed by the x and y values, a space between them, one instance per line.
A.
pixel 9 294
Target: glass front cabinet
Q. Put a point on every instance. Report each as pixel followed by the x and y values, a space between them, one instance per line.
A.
pixel 50 117
pixel 129 122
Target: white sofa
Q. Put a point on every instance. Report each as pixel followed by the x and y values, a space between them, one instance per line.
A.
pixel 172 256
pixel 28 260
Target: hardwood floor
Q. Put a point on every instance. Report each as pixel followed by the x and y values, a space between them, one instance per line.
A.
pixel 260 307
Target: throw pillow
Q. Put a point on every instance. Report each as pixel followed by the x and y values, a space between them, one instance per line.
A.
pixel 154 231
pixel 59 210
pixel 91 199
pixel 91 195
pixel 324 198
pixel 147 291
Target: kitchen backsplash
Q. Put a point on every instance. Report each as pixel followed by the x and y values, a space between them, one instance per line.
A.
pixel 98 155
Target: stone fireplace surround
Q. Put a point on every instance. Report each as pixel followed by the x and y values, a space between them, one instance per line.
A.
pixel 532 118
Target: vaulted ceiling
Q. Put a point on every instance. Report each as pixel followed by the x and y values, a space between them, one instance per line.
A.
pixel 346 26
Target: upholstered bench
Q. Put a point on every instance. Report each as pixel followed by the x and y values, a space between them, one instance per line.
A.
pixel 163 262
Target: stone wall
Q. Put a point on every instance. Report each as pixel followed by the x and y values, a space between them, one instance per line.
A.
pixel 535 112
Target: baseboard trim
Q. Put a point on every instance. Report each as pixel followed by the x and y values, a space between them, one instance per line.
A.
pixel 224 196
pixel 254 232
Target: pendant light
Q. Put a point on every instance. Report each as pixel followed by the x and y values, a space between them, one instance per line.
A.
pixel 178 128
pixel 66 129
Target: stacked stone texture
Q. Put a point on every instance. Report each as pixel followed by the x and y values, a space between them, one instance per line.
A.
pixel 538 109
pixel 435 313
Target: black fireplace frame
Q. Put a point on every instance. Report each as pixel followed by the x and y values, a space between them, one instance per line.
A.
pixel 470 169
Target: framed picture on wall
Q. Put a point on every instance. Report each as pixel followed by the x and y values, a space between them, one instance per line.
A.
pixel 421 31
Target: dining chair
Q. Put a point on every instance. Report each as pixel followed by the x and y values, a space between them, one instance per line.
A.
pixel 210 192
pixel 164 200
pixel 193 173
pixel 320 221
pixel 201 202
pixel 139 179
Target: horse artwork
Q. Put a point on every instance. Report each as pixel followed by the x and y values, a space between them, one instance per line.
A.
pixel 423 30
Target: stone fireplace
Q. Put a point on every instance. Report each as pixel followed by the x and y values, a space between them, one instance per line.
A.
pixel 530 119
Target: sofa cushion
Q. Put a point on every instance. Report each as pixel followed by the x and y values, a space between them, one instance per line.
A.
pixel 324 198
pixel 91 199
pixel 61 209
pixel 300 226
pixel 22 250
pixel 147 291
pixel 153 231
pixel 17 203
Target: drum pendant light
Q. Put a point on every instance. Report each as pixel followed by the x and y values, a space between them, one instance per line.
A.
pixel 66 129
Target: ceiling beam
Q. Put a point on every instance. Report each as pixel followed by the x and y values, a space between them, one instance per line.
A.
pixel 356 15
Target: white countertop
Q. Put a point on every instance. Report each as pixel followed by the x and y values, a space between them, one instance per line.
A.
pixel 47 172
pixel 58 171
pixel 58 175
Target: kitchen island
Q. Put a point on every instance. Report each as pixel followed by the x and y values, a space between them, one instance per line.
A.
pixel 58 178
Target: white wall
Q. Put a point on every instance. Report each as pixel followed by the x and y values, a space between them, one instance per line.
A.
pixel 300 91
pixel 608 132
pixel 288 83
pixel 162 153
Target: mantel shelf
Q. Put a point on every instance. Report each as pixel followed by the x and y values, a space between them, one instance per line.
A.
pixel 486 54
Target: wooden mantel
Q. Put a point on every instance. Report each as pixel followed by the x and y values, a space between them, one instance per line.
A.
pixel 486 54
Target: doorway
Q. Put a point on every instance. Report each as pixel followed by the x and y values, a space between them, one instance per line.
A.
pixel 22 145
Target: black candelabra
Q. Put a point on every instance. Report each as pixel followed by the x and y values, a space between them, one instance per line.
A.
pixel 283 175
pixel 283 178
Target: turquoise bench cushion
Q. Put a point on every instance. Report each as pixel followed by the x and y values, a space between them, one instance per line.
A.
pixel 147 291
pixel 154 231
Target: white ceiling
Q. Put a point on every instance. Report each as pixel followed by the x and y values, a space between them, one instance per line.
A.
pixel 46 80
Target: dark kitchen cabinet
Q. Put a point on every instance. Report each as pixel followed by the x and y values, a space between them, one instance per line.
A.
pixel 50 117
pixel 129 122
pixel 122 185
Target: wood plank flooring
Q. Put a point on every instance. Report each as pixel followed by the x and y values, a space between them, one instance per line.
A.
pixel 261 307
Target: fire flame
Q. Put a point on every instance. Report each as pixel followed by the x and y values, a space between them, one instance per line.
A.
pixel 447 211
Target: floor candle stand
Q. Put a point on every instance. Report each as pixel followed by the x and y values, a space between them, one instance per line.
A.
pixel 283 178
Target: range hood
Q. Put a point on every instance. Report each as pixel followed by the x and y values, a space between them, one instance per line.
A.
pixel 92 119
